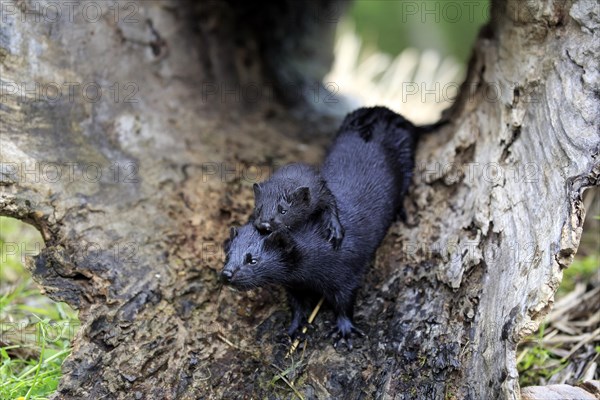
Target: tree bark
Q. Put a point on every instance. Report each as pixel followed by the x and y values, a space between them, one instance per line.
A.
pixel 135 191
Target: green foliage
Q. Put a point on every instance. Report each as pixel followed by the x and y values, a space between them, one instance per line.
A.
pixel 33 378
pixel 448 27
pixel 17 240
pixel 538 363
pixel 35 332
pixel 581 270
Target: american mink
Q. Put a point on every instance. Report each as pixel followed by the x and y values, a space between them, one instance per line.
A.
pixel 360 176
pixel 293 194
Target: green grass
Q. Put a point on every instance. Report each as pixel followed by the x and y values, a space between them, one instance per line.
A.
pixel 581 270
pixel 35 332
pixel 33 378
pixel 539 362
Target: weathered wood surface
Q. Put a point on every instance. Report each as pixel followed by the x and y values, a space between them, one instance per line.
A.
pixel 562 392
pixel 496 210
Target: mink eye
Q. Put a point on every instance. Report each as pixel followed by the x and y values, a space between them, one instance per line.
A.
pixel 281 210
pixel 250 260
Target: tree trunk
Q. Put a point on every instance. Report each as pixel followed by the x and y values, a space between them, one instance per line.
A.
pixel 170 111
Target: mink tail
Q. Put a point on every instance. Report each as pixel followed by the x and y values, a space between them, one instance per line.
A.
pixel 424 129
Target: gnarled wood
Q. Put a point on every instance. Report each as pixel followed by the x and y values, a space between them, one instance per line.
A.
pixel 137 248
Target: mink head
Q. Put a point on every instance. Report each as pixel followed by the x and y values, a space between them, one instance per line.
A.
pixel 277 207
pixel 254 260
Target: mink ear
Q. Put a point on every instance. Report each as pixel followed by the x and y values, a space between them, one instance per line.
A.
pixel 279 241
pixel 227 243
pixel 256 188
pixel 300 196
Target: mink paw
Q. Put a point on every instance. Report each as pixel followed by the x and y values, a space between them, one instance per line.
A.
pixel 297 332
pixel 342 333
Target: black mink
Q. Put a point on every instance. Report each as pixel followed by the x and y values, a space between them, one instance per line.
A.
pixel 360 177
pixel 293 194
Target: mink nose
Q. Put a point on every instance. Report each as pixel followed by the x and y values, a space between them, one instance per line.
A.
pixel 265 227
pixel 226 275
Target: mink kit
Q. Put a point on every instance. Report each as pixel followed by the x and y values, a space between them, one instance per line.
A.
pixel 294 193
